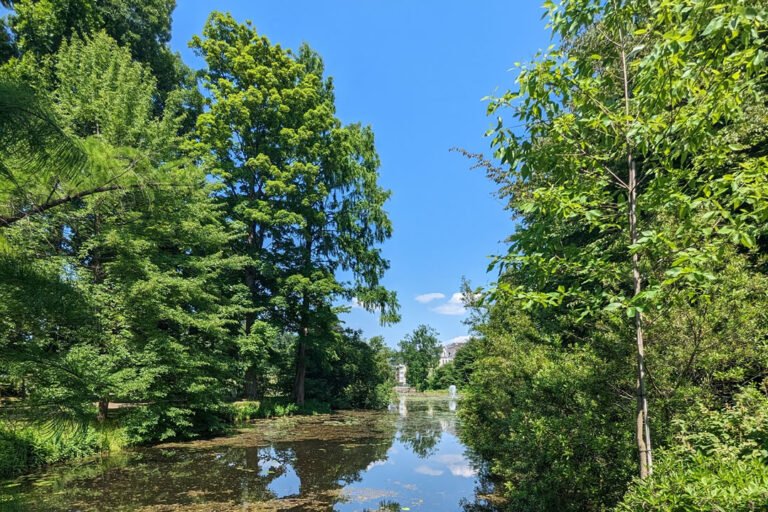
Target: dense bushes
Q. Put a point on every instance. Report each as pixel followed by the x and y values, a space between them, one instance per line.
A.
pixel 553 415
pixel 547 428
pixel 630 307
pixel 458 371
pixel 242 412
pixel 442 377
pixel 717 461
pixel 349 372
pixel 354 374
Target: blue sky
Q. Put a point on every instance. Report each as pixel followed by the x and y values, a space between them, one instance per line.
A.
pixel 416 71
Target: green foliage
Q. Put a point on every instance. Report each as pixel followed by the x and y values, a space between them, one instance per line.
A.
pixel 545 423
pixel 158 326
pixel 97 90
pixel 42 27
pixel 719 461
pixel 149 267
pixel 350 372
pixel 459 371
pixel 567 176
pixel 420 352
pixel 153 325
pixel 443 377
pixel 7 46
pixel 35 153
pixel 188 419
pixel 299 187
pixel 102 91
pixel 668 93
pixel 244 411
pixel 24 447
pixel 464 363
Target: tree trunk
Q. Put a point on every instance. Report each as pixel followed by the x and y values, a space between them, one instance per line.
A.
pixel 642 428
pixel 643 431
pixel 304 323
pixel 101 416
pixel 301 368
pixel 99 276
pixel 250 379
pixel 251 387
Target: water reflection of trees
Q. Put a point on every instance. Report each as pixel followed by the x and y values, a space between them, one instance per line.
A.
pixel 323 466
pixel 386 506
pixel 155 477
pixel 486 498
pixel 315 469
pixel 307 463
pixel 421 424
pixel 327 466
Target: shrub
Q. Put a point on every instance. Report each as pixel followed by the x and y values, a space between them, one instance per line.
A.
pixel 548 434
pixel 24 447
pixel 16 453
pixel 275 407
pixel 161 422
pixel 719 462
pixel 350 373
pixel 443 377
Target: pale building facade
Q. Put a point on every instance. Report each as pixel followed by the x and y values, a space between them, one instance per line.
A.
pixel 400 371
pixel 449 352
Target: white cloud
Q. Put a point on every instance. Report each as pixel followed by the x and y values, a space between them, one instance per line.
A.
pixel 426 470
pixel 451 458
pixel 458 339
pixel 355 304
pixel 377 463
pixel 429 297
pixel 457 465
pixel 463 470
pixel 454 306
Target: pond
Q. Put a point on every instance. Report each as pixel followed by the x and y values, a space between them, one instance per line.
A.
pixel 406 458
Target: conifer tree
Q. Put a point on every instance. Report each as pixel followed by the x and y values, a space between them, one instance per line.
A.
pixel 300 187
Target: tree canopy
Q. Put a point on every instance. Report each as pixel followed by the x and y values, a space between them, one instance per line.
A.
pixel 420 351
pixel 174 259
pixel 300 188
pixel 629 158
pixel 40 28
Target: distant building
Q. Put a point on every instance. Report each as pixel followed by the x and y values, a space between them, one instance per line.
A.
pixel 400 370
pixel 449 352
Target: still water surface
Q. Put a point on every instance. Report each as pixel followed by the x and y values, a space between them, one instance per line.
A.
pixel 407 458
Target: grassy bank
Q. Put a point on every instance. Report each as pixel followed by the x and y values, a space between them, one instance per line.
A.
pixel 244 411
pixel 429 393
pixel 25 447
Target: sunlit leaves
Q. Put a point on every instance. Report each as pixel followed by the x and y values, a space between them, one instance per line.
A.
pixel 300 188
pixel 692 67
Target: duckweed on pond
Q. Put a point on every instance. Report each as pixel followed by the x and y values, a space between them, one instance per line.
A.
pixel 407 458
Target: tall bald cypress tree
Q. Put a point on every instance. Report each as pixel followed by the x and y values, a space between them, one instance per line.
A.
pixel 301 187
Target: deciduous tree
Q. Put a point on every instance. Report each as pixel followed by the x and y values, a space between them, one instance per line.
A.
pixel 608 171
pixel 420 351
